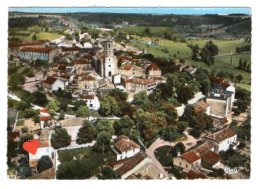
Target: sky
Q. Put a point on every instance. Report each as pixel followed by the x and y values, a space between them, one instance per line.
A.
pixel 156 10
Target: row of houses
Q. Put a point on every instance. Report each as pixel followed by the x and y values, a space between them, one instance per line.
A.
pixel 207 154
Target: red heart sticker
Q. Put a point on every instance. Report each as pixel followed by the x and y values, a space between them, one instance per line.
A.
pixel 31 146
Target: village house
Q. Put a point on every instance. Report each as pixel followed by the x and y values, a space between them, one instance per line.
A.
pixel 224 139
pixel 153 70
pixel 82 65
pixel 33 53
pixel 91 100
pixel 125 148
pixel 86 82
pixel 188 161
pixel 140 84
pixel 131 70
pixel 53 84
pixel 139 166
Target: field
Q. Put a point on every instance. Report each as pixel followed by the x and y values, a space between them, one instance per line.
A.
pixel 25 36
pixel 138 30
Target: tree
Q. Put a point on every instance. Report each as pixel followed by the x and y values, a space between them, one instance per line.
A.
pixel 103 141
pixel 140 98
pixel 15 81
pixel 146 31
pixel 29 113
pixel 53 106
pixel 178 148
pixel 39 98
pixel 195 133
pixel 60 138
pixel 239 78
pixel 149 124
pixel 118 95
pixel 108 173
pixel 44 163
pixel 62 115
pixel 86 134
pixel 83 111
pixel 34 37
pixel 240 64
pixel 170 112
pixel 108 106
pixel 123 126
pixel 166 90
pixel 105 125
pixel 184 94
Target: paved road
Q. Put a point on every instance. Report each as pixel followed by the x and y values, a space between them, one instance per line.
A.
pixel 188 142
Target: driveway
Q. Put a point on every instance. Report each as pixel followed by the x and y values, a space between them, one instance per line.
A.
pixel 189 142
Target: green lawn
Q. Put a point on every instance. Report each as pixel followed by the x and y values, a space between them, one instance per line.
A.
pixel 225 46
pixel 164 156
pixel 178 49
pixel 40 36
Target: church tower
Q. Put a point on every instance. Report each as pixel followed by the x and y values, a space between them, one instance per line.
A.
pixel 110 63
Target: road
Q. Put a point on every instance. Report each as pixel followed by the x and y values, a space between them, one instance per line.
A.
pixel 188 142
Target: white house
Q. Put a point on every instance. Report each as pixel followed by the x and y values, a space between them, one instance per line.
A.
pixel 91 100
pixel 125 148
pixel 223 139
pixel 53 84
pixel 42 151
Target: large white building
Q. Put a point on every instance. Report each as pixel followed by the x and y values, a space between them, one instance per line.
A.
pixel 224 139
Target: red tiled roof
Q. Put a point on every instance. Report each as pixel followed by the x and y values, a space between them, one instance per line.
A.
pixel 44 110
pixel 218 80
pixel 50 80
pixel 45 118
pixel 88 97
pixel 191 156
pixel 206 146
pixel 37 49
pixel 223 134
pixel 80 61
pixel 142 81
pixel 125 145
pixel 127 67
pixel 210 157
pixel 153 66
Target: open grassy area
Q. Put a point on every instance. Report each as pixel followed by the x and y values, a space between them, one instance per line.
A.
pixel 224 46
pixel 40 36
pixel 139 30
pixel 164 49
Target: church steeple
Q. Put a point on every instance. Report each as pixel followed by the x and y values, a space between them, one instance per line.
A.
pixel 110 63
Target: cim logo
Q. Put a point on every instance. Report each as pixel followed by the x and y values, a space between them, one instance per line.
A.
pixel 231 171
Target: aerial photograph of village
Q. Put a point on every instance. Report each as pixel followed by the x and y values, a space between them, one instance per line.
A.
pixel 126 93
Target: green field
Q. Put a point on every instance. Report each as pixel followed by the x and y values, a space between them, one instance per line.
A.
pixel 40 36
pixel 138 30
